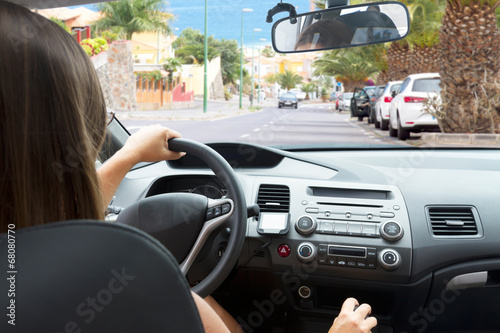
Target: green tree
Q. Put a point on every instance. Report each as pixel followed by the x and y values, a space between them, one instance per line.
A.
pixel 171 65
pixel 60 23
pixel 417 53
pixel 289 80
pixel 229 57
pixel 308 88
pixel 190 47
pixel 348 66
pixel 127 17
pixel 195 54
pixel 272 79
pixel 325 81
pixel 268 52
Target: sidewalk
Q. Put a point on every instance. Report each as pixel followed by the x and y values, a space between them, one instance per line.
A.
pixel 216 109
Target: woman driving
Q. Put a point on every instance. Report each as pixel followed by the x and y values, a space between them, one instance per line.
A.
pixel 53 121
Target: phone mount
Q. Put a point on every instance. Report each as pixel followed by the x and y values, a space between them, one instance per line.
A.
pixel 282 7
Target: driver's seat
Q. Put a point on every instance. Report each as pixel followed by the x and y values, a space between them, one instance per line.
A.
pixel 90 276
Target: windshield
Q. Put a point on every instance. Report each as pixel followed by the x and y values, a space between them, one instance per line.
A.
pixel 158 75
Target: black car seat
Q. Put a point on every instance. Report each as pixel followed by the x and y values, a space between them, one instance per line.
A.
pixel 90 276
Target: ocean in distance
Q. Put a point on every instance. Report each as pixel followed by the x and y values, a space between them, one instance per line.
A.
pixel 224 18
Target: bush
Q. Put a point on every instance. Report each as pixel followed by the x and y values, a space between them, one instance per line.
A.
pixel 94 46
pixel 227 94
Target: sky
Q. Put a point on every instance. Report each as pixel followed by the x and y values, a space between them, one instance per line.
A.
pixel 224 18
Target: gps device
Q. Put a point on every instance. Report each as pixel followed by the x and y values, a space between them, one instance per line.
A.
pixel 273 223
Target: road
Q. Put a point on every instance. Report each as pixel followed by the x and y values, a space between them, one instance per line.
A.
pixel 310 123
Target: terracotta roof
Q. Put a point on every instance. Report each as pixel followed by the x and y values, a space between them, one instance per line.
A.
pixel 62 13
pixel 85 17
pixel 78 17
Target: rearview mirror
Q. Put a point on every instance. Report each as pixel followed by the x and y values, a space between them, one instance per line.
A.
pixel 341 27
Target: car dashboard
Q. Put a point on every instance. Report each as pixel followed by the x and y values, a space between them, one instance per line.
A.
pixel 413 232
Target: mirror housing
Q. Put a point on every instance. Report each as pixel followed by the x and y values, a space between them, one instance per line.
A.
pixel 342 27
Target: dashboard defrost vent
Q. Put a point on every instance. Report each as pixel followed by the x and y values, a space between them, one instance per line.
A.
pixel 274 198
pixel 452 221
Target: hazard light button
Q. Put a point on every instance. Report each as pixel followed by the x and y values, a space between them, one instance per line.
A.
pixel 284 250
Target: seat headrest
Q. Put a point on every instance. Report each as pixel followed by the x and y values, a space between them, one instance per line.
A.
pixel 91 276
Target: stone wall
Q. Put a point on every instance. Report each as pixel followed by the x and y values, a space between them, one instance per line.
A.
pixel 101 66
pixel 121 76
pixel 116 74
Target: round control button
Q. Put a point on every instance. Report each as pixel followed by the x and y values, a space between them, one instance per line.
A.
pixel 348 215
pixel 391 231
pixel 305 225
pixel 306 252
pixel 284 250
pixel 389 259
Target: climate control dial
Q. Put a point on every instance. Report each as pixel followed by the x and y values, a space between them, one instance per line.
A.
pixel 306 252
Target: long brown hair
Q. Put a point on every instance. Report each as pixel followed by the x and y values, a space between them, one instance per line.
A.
pixel 52 123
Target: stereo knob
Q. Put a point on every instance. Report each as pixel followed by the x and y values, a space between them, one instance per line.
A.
pixel 389 259
pixel 391 231
pixel 306 252
pixel 305 225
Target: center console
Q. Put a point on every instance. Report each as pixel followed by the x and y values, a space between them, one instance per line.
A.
pixel 349 232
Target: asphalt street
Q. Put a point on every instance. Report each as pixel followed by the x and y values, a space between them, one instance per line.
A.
pixel 312 122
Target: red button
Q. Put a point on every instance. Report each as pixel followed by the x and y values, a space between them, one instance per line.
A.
pixel 284 250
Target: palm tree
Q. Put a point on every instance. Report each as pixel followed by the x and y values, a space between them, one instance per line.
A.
pixel 470 67
pixel 308 88
pixel 288 80
pixel 271 78
pixel 349 67
pixel 426 17
pixel 171 65
pixel 127 17
pixel 268 52
pixel 417 53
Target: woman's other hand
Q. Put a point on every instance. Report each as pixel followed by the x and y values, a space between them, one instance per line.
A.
pixel 353 321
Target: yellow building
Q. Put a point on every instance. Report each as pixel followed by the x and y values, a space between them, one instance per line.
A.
pixel 297 63
pixel 150 48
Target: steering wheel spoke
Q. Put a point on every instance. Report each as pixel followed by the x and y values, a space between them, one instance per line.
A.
pixel 218 212
pixel 183 222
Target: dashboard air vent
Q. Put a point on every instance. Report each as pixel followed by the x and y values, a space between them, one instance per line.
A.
pixel 274 198
pixel 452 221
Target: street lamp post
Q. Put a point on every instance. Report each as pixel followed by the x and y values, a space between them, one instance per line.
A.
pixel 253 48
pixel 241 57
pixel 258 79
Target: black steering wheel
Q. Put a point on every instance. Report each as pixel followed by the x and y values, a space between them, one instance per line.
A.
pixel 184 221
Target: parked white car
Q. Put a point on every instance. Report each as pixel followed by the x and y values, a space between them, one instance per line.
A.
pixel 345 101
pixel 383 103
pixel 405 111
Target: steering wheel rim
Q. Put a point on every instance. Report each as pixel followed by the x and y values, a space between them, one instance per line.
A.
pixel 225 173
